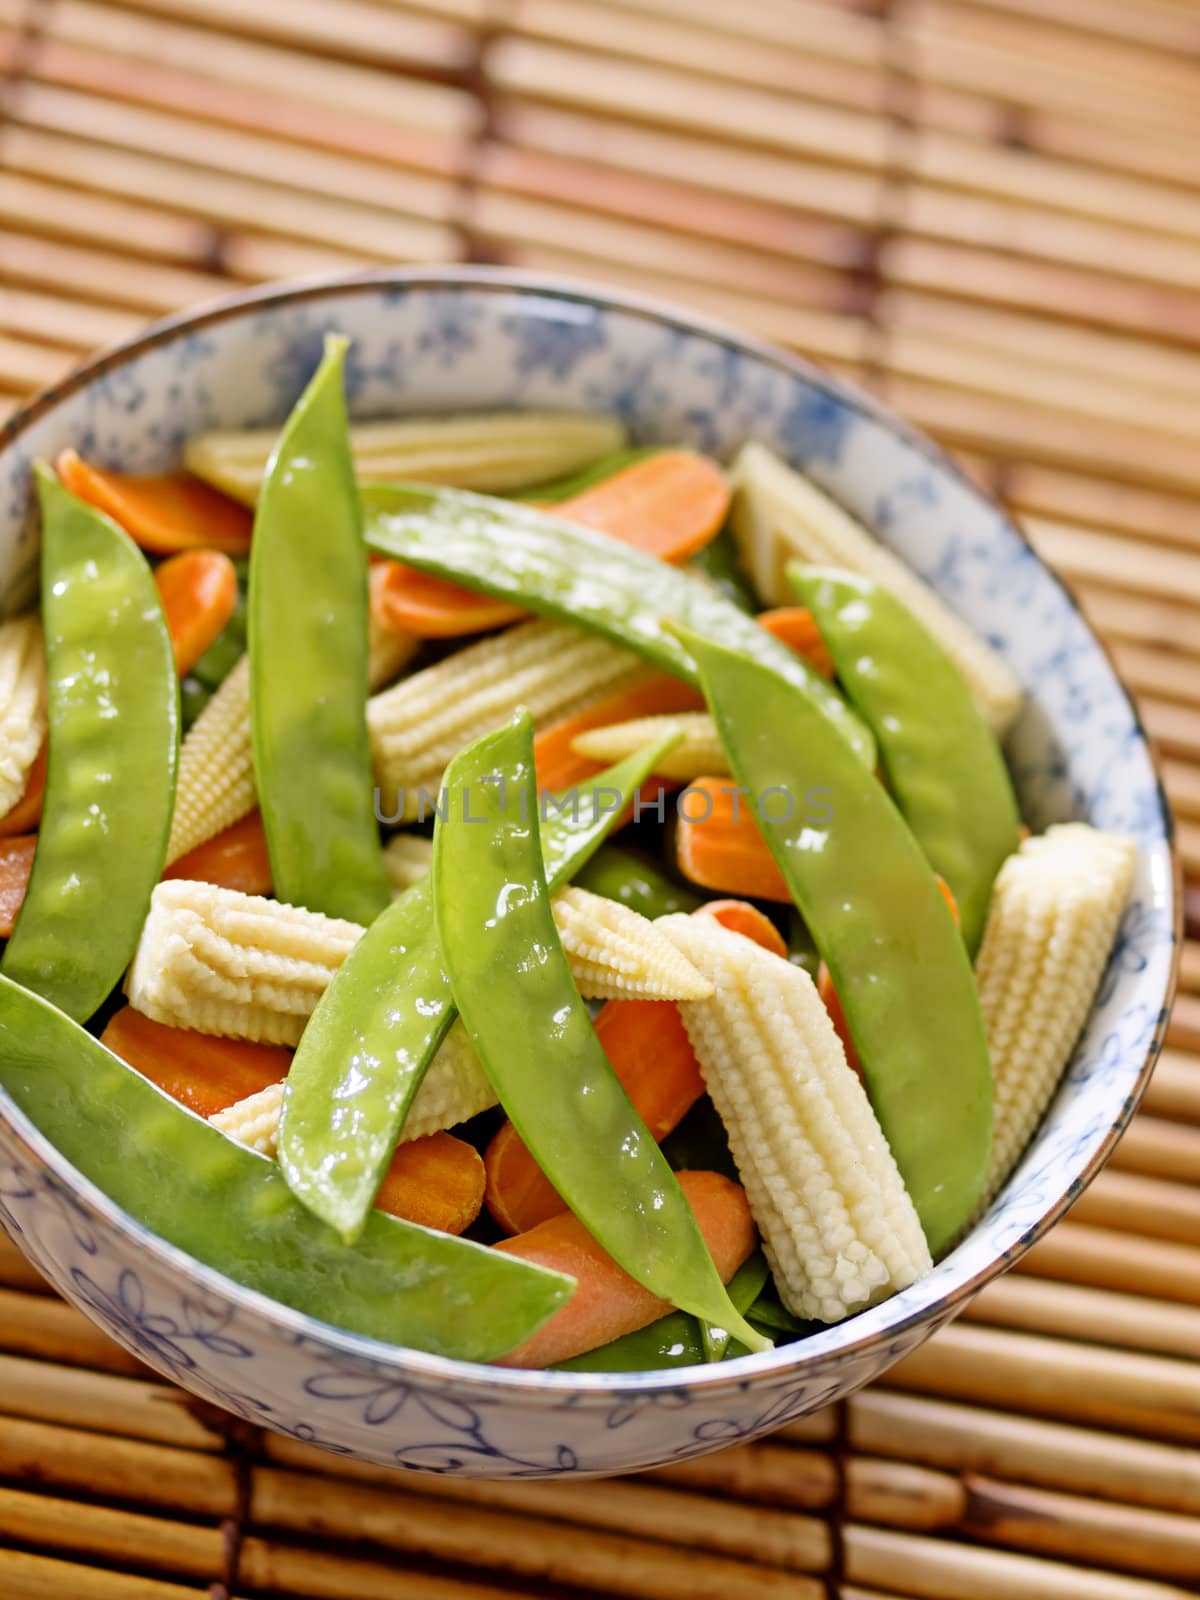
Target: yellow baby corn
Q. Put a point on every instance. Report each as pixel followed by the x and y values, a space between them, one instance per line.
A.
pixel 837 1223
pixel 216 767
pixel 780 516
pixel 408 858
pixel 22 705
pixel 495 452
pixel 698 752
pixel 616 953
pixel 228 963
pixel 388 653
pixel 254 1121
pixel 421 723
pixel 234 964
pixel 1051 925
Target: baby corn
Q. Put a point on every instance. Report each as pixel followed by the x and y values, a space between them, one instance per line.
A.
pixel 420 724
pixel 22 705
pixel 254 1121
pixel 228 963
pixel 698 752
pixel 408 858
pixel 780 516
pixel 215 787
pixel 837 1223
pixel 493 452
pixel 1053 917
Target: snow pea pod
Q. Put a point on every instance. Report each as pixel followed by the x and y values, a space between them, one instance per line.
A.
pixel 883 928
pixel 378 1025
pixel 230 1208
pixel 636 881
pixel 307 612
pixel 113 742
pixel 549 565
pixel 675 1340
pixel 534 1037
pixel 942 760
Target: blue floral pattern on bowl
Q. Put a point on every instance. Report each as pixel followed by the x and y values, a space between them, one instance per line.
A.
pixel 469 339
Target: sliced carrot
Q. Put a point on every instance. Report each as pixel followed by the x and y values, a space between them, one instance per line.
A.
pixel 650 1052
pixel 721 847
pixel 670 505
pixel 27 812
pixel 607 1302
pixel 16 863
pixel 235 858
pixel 163 512
pixel 204 1073
pixel 436 1181
pixel 556 764
pixel 797 628
pixel 198 590
pixel 829 995
pixel 739 916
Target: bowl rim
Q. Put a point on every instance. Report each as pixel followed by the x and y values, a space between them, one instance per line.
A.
pixel 539 1384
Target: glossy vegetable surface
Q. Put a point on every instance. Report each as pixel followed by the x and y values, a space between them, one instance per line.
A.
pixel 113 748
pixel 199 593
pixel 231 1209
pixel 367 1045
pixel 162 512
pixel 516 553
pixel 636 880
pixel 942 760
pixel 534 1037
pixel 308 663
pixel 884 930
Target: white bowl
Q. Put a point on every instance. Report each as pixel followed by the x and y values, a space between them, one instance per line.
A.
pixel 447 340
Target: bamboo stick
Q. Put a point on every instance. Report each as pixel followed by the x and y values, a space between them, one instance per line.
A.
pixel 69 1459
pixel 1036 1521
pixel 1158 672
pixel 295 1570
pixel 972 1438
pixel 30 1577
pixel 1166 26
pixel 819 1427
pixel 1131 1203
pixel 46 1327
pixel 1189 967
pixel 73 1528
pixel 103 1403
pixel 1126 616
pixel 527 1547
pixel 152 288
pixel 17 1272
pixel 55 319
pixel 1103 558
pixel 1157 154
pixel 1175 1087
pixel 1183 1030
pixel 255 259
pixel 1182 783
pixel 1159 1148
pixel 138 230
pixel 1068 1312
pixel 845 35
pixel 1121 508
pixel 936 1569
pixel 26 365
pixel 1075 1253
pixel 1074 1382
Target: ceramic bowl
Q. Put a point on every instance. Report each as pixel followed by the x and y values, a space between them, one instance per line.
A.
pixel 453 339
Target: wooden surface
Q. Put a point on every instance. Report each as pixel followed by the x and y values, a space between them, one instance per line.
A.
pixel 987 211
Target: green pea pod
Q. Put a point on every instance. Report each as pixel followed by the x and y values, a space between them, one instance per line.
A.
pixel 674 1340
pixel 546 564
pixel 587 477
pixel 376 1029
pixel 228 648
pixel 719 563
pixel 114 744
pixel 193 697
pixel 308 663
pixel 870 898
pixel 534 1037
pixel 229 1208
pixel 631 877
pixel 943 762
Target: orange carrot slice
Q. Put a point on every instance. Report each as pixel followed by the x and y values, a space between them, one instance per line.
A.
pixel 204 1073
pixel 721 847
pixel 796 627
pixel 198 590
pixel 739 916
pixel 607 1302
pixel 16 863
pixel 163 512
pixel 235 858
pixel 670 505
pixel 556 764
pixel 437 1181
pixel 27 812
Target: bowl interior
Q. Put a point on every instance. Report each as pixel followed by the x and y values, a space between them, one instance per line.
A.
pixel 469 341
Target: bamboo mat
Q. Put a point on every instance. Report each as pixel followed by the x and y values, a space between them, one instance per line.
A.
pixel 987 211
